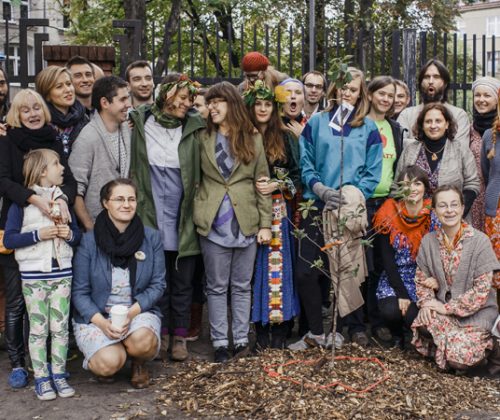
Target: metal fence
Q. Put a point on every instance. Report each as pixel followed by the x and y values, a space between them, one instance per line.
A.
pixel 212 54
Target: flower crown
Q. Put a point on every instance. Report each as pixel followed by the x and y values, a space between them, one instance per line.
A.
pixel 260 91
pixel 170 89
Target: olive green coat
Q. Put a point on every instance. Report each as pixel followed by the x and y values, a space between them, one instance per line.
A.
pixel 189 159
pixel 253 210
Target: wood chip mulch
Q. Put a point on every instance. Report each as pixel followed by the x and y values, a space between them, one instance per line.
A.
pixel 414 388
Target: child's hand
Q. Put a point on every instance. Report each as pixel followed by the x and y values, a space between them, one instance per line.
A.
pixel 64 232
pixel 49 232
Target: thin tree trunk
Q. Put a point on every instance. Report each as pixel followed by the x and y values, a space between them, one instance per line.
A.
pixel 171 28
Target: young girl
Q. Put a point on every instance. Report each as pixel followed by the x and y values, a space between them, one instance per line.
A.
pixel 43 251
pixel 275 301
pixel 230 214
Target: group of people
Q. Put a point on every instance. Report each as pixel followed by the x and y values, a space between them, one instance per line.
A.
pixel 112 198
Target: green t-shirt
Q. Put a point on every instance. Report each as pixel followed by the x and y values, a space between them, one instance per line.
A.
pixel 389 151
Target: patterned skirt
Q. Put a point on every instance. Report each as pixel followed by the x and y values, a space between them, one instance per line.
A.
pixel 275 298
pixel 492 229
pixel 452 342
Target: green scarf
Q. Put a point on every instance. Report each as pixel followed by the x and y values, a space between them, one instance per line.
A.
pixel 163 119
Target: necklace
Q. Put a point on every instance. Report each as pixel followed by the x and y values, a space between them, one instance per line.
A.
pixel 174 134
pixel 434 155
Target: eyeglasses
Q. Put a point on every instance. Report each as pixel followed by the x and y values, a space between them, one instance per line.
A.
pixel 452 206
pixel 252 76
pixel 215 102
pixel 313 86
pixel 121 200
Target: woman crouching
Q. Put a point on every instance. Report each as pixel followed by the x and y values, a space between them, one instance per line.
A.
pixel 120 262
pixel 454 290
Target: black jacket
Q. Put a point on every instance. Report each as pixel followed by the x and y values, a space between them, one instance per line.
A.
pixel 12 187
pixel 397 135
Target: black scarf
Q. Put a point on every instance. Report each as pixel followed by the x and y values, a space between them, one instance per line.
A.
pixel 26 139
pixel 120 247
pixel 434 146
pixel 483 122
pixel 75 118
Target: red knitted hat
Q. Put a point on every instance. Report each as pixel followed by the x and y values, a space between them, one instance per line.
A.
pixel 254 61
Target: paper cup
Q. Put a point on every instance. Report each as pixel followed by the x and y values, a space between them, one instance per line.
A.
pixel 118 315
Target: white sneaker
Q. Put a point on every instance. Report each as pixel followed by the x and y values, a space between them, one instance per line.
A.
pixel 339 341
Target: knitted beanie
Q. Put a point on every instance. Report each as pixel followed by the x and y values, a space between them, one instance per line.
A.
pixel 489 83
pixel 254 61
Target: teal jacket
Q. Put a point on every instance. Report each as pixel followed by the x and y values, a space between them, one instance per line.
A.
pixel 189 159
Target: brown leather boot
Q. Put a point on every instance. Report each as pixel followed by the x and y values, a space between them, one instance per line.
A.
pixel 140 374
pixel 195 325
pixel 179 349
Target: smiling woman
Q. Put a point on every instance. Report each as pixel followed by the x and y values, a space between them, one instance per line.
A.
pixel 28 120
pixel 435 151
pixel 453 286
pixel 119 263
pixel 68 115
pixel 164 164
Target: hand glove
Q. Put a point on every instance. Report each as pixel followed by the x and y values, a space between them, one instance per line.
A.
pixel 330 196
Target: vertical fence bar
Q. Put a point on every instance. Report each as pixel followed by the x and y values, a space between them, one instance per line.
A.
pixel 359 50
pixel 325 53
pixel 204 52
pixel 484 55
pixel 348 45
pixel 423 48
pixel 279 47
pixel 153 55
pixel 435 45
pixel 242 48
pixel 290 58
pixel 302 48
pixel 254 37
pixel 464 81
pixel 230 50
pixel 493 56
pixel 455 62
pixel 395 66
pixel 338 43
pixel 372 55
pixel 191 58
pixel 267 41
pixel 179 49
pixel 474 58
pixel 217 51
pixel 382 54
pixel 445 48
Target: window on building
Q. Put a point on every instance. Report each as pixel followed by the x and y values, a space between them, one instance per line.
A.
pixel 24 11
pixel 489 62
pixel 6 10
pixel 493 26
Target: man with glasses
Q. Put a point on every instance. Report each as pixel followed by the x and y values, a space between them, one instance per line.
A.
pixel 253 64
pixel 101 151
pixel 314 89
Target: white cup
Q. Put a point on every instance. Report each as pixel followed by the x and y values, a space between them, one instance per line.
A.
pixel 118 315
